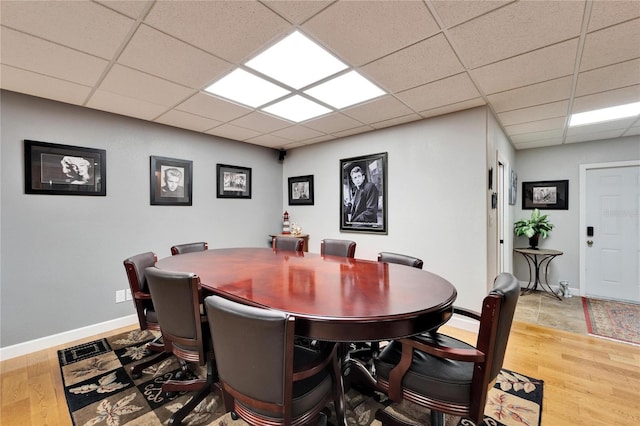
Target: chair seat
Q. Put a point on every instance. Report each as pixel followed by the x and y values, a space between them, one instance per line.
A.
pixel 442 379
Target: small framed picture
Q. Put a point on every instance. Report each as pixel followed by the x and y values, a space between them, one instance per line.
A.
pixel 64 169
pixel 301 190
pixel 363 194
pixel 171 181
pixel 548 194
pixel 233 181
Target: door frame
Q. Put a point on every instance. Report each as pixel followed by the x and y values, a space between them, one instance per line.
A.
pixel 583 212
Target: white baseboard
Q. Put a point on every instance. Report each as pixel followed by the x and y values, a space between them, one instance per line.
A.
pixel 464 323
pixel 65 337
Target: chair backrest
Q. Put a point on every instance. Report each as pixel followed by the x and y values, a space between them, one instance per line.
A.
pixel 254 351
pixel 135 266
pixel 189 248
pixel 333 247
pixel 287 243
pixel 177 303
pixel 401 259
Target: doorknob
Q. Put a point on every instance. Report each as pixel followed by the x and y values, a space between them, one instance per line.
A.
pixel 589 243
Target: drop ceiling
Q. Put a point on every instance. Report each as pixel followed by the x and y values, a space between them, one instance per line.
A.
pixel 533 63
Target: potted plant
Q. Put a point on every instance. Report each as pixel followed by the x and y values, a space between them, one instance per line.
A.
pixel 534 227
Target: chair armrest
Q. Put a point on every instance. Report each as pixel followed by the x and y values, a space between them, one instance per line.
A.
pixel 141 295
pixel 466 313
pixel 329 353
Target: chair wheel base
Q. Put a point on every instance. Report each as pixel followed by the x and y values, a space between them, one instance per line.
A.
pixel 234 415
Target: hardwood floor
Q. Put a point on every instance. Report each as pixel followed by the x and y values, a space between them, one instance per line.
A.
pixel 588 380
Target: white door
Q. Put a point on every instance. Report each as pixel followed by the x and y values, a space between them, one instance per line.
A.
pixel 612 259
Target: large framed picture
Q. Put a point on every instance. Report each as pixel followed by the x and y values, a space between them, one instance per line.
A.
pixel 301 190
pixel 363 194
pixel 233 181
pixel 171 181
pixel 513 186
pixel 548 194
pixel 64 169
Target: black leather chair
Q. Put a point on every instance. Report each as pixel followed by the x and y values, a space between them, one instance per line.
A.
pixel 401 259
pixel 189 248
pixel 333 247
pixel 266 379
pixel 147 318
pixel 185 332
pixel 287 243
pixel 445 374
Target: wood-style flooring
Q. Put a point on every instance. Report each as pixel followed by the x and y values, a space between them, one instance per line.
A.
pixel 587 380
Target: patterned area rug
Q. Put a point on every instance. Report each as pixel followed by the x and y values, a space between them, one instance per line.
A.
pixel 100 391
pixel 614 320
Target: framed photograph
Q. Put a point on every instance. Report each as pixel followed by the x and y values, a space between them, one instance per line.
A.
pixel 513 187
pixel 233 181
pixel 363 194
pixel 64 169
pixel 171 181
pixel 301 190
pixel 548 194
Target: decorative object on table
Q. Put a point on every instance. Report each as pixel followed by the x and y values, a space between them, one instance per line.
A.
pixel 233 181
pixel 171 181
pixel 363 194
pixel 285 223
pixel 296 229
pixel 92 365
pixel 549 195
pixel 301 190
pixel 513 187
pixel 536 226
pixel 56 169
pixel 613 319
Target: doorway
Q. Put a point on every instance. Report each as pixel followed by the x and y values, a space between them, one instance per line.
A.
pixel 610 231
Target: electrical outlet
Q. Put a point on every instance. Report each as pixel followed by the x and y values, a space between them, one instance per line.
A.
pixel 127 294
pixel 120 297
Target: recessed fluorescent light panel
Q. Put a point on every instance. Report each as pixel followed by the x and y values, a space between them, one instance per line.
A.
pixel 243 87
pixel 605 114
pixel 296 61
pixel 346 90
pixel 297 108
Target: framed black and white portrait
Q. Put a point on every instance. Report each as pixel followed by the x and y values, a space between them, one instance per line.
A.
pixel 548 194
pixel 64 169
pixel 171 181
pixel 363 194
pixel 301 190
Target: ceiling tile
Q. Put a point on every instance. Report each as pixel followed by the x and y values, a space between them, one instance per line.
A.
pixel 333 123
pixel 585 137
pixel 396 121
pixel 536 126
pixel 443 92
pixel 633 131
pixel 534 67
pixel 22 81
pixel 417 64
pixel 102 29
pixel 459 106
pixel 34 54
pixel 607 99
pixel 269 141
pixel 455 12
pixel 362 31
pixel 187 121
pixel 354 131
pixel 534 136
pixel 605 13
pixel 133 9
pixel 120 104
pixel 383 108
pixel 535 94
pixel 538 143
pixel 156 53
pixel 210 106
pixel 233 132
pixel 515 29
pixel 297 11
pixel 135 84
pixel 606 126
pixel 608 78
pixel 611 45
pixel 231 30
pixel 261 122
pixel 535 113
pixel 298 132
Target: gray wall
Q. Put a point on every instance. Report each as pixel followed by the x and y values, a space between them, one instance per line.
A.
pixel 437 195
pixel 560 163
pixel 62 255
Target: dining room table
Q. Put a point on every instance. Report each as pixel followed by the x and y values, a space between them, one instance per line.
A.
pixel 333 298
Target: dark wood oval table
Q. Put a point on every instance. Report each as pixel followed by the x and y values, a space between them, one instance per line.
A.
pixel 332 298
